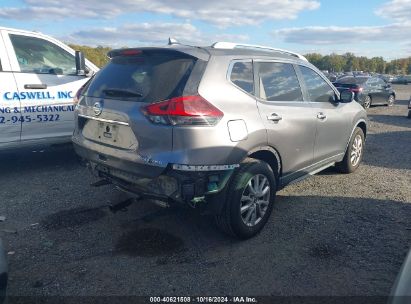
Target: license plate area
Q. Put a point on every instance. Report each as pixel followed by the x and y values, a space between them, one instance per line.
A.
pixel 107 133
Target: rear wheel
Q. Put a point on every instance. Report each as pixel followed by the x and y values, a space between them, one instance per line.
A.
pixel 250 201
pixel 367 102
pixel 354 153
pixel 391 100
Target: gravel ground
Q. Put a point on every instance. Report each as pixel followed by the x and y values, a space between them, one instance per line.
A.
pixel 332 234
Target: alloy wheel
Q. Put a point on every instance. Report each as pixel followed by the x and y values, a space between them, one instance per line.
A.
pixel 367 102
pixel 356 150
pixel 255 200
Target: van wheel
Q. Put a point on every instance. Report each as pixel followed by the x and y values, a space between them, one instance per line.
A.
pixel 249 201
pixel 354 153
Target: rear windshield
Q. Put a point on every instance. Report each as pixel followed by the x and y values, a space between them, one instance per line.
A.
pixel 146 77
pixel 352 80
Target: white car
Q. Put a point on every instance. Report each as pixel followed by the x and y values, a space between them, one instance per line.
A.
pixel 38 80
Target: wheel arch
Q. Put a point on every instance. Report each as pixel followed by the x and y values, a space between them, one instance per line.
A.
pixel 360 124
pixel 270 156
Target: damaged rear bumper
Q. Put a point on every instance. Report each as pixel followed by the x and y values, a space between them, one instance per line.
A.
pixel 178 183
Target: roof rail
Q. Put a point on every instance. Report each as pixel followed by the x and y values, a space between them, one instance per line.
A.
pixel 231 45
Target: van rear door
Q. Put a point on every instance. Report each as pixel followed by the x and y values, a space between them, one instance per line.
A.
pixel 46 78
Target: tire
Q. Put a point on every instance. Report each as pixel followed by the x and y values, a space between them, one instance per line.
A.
pixel 367 102
pixel 391 100
pixel 256 207
pixel 353 154
pixel 409 113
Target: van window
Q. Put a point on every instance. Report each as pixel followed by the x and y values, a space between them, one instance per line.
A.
pixel 148 77
pixel 318 89
pixel 242 76
pixel 278 82
pixel 40 56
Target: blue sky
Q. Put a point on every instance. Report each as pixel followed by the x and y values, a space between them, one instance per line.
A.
pixel 367 28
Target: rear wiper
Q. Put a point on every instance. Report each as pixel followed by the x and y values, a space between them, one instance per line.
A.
pixel 121 93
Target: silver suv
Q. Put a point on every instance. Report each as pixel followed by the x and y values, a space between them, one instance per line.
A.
pixel 224 126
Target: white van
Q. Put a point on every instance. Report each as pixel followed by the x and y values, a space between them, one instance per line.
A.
pixel 39 77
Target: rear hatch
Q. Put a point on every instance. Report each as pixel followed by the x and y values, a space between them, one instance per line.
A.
pixel 352 84
pixel 132 80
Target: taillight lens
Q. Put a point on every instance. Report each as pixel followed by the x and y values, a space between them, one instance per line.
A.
pixel 185 110
pixel 76 98
pixel 356 90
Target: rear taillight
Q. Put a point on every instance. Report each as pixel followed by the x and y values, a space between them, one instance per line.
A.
pixel 185 110
pixel 76 98
pixel 356 90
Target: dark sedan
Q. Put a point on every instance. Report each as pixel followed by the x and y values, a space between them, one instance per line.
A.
pixel 3 273
pixel 367 90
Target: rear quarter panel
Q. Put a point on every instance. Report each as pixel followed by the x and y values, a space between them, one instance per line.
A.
pixel 213 145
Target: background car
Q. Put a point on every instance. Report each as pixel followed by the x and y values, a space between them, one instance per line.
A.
pixel 3 273
pixel 403 79
pixel 367 90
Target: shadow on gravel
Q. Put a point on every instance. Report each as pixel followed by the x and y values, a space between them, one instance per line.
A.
pixel 399 121
pixel 40 158
pixel 72 218
pixel 148 242
pixel 311 245
pixel 402 102
pixel 389 150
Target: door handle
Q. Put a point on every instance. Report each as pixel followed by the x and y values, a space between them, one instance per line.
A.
pixel 35 86
pixel 274 117
pixel 321 116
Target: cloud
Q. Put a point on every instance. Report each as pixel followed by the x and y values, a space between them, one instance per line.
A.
pixel 220 13
pixel 399 10
pixel 334 35
pixel 147 34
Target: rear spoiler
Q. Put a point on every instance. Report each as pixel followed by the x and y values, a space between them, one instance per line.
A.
pixel 174 49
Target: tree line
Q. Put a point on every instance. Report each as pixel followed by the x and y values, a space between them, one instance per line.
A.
pixel 350 62
pixel 331 63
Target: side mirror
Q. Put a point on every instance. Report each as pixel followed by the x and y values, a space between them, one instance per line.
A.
pixel 80 64
pixel 346 96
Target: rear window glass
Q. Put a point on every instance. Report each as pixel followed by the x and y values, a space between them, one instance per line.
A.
pixel 352 80
pixel 242 76
pixel 145 78
pixel 278 82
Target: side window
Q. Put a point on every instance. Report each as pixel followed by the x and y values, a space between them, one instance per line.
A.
pixel 40 56
pixel 318 89
pixel 242 76
pixel 278 82
pixel 372 82
pixel 381 82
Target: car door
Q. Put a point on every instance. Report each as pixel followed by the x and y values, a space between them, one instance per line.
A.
pixel 332 118
pixel 289 120
pixel 46 78
pixel 376 90
pixel 385 90
pixel 10 117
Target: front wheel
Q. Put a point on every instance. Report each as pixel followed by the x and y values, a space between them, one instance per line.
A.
pixel 250 200
pixel 390 101
pixel 367 102
pixel 354 153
